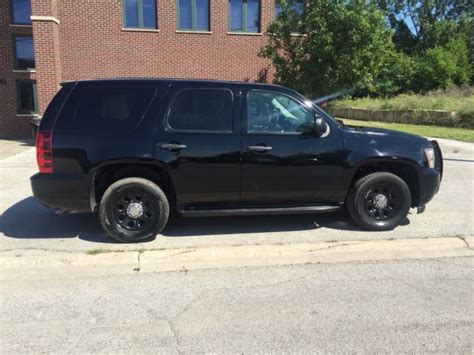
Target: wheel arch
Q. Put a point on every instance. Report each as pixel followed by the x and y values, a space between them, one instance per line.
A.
pixel 104 175
pixel 406 169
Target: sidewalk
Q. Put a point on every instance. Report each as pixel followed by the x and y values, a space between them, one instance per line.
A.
pixel 9 148
pixel 108 262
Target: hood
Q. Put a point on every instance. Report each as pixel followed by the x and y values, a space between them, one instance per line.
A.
pixel 371 142
pixel 382 132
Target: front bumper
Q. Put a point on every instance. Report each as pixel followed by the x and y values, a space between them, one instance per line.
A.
pixel 63 192
pixel 430 179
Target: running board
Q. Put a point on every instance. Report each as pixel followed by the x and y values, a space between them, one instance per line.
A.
pixel 256 211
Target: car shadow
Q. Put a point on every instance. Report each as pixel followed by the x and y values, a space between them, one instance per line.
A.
pixel 28 219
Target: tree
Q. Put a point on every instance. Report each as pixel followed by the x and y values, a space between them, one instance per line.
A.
pixel 423 24
pixel 340 44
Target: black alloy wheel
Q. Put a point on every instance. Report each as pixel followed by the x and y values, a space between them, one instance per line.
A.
pixel 133 210
pixel 379 201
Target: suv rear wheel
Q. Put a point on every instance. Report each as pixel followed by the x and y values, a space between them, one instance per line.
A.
pixel 133 210
pixel 379 201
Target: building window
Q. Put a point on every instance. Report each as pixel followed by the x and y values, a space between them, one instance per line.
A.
pixel 24 53
pixel 293 10
pixel 140 13
pixel 21 12
pixel 244 15
pixel 193 15
pixel 27 98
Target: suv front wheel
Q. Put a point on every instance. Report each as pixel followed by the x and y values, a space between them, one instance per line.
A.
pixel 379 201
pixel 133 210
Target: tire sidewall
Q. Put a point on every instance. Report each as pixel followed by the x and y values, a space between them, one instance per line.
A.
pixel 106 209
pixel 358 209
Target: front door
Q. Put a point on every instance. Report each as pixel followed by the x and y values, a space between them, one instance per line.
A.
pixel 283 160
pixel 200 143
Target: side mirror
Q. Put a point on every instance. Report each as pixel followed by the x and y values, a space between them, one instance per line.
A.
pixel 320 125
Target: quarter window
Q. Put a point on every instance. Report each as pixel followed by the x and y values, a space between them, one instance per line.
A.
pixel 21 12
pixel 24 53
pixel 90 108
pixel 244 15
pixel 140 14
pixel 202 110
pixel 27 98
pixel 193 15
pixel 270 112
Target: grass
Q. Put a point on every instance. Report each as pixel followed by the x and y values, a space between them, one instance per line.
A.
pixel 460 134
pixel 458 100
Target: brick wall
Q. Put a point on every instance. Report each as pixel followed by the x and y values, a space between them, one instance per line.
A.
pixel 11 125
pixel 90 42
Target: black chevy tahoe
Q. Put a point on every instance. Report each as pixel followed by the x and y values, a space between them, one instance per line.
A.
pixel 136 149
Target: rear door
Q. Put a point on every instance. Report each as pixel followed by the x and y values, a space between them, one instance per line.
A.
pixel 199 140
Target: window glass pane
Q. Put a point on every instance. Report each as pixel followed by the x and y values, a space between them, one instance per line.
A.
pixel 276 113
pixel 94 107
pixel 25 54
pixel 131 13
pixel 27 97
pixel 149 14
pixel 202 15
pixel 253 15
pixel 277 9
pixel 21 11
pixel 202 110
pixel 236 15
pixel 297 6
pixel 185 15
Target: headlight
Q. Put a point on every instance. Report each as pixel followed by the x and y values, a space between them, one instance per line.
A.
pixel 430 157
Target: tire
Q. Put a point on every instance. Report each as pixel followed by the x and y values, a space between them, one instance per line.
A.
pixel 133 210
pixel 366 206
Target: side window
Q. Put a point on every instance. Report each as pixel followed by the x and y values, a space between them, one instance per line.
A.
pixel 24 53
pixel 293 11
pixel 244 15
pixel 140 14
pixel 90 108
pixel 193 15
pixel 27 98
pixel 202 110
pixel 271 112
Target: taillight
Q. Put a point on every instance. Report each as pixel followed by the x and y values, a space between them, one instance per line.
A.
pixel 44 151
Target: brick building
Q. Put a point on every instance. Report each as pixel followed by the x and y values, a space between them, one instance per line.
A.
pixel 45 42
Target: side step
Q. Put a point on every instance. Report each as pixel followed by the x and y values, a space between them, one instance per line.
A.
pixel 256 211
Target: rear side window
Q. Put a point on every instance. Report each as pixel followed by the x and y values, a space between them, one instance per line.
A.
pixel 97 107
pixel 208 110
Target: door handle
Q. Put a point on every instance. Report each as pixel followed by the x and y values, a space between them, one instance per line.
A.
pixel 173 146
pixel 259 148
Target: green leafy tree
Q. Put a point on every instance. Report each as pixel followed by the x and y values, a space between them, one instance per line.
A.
pixel 423 24
pixel 341 44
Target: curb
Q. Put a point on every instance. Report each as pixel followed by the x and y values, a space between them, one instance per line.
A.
pixel 69 265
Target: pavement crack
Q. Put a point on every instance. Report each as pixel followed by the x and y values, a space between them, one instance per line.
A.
pixel 139 257
pixel 465 242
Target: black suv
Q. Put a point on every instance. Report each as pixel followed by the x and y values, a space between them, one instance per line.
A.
pixel 136 150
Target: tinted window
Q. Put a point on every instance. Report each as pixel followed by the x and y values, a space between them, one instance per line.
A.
pixel 27 100
pixel 202 110
pixel 140 13
pixel 193 15
pixel 269 112
pixel 21 10
pixel 91 108
pixel 24 51
pixel 244 15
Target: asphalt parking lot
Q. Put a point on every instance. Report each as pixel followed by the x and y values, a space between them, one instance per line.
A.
pixel 26 227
